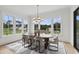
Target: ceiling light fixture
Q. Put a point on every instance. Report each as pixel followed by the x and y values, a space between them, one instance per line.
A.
pixel 37 18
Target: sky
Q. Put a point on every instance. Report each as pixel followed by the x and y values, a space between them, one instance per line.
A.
pixel 49 21
pixel 77 17
pixel 46 21
pixel 7 18
pixel 57 20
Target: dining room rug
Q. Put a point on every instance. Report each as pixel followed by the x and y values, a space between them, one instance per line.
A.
pixel 19 49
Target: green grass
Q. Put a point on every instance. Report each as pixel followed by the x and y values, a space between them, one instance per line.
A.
pixel 8 31
pixel 18 31
pixel 56 32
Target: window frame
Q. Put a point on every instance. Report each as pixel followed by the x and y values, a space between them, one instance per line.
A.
pixel 14 26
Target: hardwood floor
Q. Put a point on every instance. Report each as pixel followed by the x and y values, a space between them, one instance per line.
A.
pixel 68 47
pixel 5 50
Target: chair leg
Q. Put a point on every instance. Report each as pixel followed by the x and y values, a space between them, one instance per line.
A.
pixel 57 46
pixel 23 45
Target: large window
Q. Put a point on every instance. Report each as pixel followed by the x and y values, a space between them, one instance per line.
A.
pixel 57 25
pixel 18 25
pixel 7 25
pixel 12 25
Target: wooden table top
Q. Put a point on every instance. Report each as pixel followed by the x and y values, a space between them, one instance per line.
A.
pixel 46 35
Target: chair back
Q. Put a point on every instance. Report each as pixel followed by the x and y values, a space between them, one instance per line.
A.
pixel 56 39
pixel 35 33
pixel 25 39
pixel 31 38
pixel 41 40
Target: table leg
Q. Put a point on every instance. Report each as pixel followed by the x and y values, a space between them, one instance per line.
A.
pixel 46 43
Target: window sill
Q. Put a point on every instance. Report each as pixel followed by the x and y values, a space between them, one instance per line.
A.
pixel 11 35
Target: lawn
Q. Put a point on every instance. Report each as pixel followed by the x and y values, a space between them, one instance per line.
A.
pixel 8 31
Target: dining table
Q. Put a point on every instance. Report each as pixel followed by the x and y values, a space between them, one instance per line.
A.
pixel 46 39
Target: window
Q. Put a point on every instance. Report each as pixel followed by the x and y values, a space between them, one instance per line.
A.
pixel 57 27
pixel 25 26
pixel 7 25
pixel 57 24
pixel 45 25
pixel 35 27
pixel 18 25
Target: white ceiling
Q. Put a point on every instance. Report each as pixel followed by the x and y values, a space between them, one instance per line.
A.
pixel 31 9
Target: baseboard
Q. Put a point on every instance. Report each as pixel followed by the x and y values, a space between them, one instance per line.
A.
pixel 64 41
pixel 9 43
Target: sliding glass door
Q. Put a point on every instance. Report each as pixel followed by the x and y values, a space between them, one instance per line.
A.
pixel 76 28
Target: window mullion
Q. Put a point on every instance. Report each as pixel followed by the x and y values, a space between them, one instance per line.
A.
pixel 14 25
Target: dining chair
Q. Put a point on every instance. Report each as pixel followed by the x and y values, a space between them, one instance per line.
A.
pixel 35 33
pixel 32 42
pixel 53 43
pixel 25 40
pixel 40 44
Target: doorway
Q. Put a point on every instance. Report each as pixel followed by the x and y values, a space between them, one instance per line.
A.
pixel 76 28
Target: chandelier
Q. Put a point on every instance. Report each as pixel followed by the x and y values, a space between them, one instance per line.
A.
pixel 37 18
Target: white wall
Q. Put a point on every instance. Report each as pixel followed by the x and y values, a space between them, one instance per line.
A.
pixel 10 38
pixel 31 25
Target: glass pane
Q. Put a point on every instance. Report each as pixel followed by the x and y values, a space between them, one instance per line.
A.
pixel 18 25
pixel 77 30
pixel 35 27
pixel 25 26
pixel 7 25
pixel 57 28
pixel 57 24
pixel 45 26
